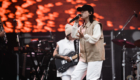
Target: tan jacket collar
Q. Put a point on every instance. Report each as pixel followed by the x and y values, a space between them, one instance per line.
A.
pixel 88 24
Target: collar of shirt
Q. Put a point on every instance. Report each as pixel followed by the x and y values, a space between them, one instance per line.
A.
pixel 68 41
pixel 88 24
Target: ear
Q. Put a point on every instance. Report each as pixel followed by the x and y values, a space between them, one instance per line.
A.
pixel 90 13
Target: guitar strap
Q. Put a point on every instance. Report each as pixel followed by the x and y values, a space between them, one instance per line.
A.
pixel 76 46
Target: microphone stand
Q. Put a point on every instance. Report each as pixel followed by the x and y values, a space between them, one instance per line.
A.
pixel 15 24
pixel 126 24
pixel 124 48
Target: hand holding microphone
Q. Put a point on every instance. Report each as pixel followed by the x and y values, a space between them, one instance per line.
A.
pixel 76 19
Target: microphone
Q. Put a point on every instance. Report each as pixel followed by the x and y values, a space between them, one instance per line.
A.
pixel 75 18
pixel 135 14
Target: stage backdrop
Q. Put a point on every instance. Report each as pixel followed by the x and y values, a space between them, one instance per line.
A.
pixel 52 15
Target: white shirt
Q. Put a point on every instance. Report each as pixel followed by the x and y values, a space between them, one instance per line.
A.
pixel 89 38
pixel 65 46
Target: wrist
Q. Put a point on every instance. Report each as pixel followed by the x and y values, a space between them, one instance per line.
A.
pixel 70 58
pixel 64 57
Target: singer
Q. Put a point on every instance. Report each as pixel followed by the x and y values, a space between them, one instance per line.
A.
pixel 92 52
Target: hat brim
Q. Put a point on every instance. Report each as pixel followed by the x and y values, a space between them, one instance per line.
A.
pixel 80 9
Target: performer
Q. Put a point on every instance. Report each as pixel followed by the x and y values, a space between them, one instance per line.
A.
pixel 63 47
pixel 91 45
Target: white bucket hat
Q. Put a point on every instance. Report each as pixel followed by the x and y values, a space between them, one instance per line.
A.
pixel 68 29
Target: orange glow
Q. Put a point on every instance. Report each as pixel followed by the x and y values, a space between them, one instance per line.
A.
pixel 98 16
pixel 6 4
pixel 80 23
pixel 7 11
pixel 19 24
pixel 73 2
pixel 49 5
pixel 48 28
pixel 139 28
pixel 26 29
pixel 30 15
pixel 92 4
pixel 41 7
pixel 9 24
pixel 51 16
pixel 46 10
pixel 36 39
pixel 4 18
pixel 58 3
pixel 68 0
pixel 39 12
pixel 7 30
pixel 28 24
pixel 61 28
pixel 11 15
pixel 51 24
pixel 14 1
pixel 73 15
pixel 115 29
pixel 78 6
pixel 109 24
pixel 38 0
pixel 23 17
pixel 70 11
pixel 96 19
pixel 69 19
pixel 28 3
pixel 39 23
pixel 55 14
pixel 81 1
pixel 20 10
pixel 120 26
pixel 84 2
pixel 132 27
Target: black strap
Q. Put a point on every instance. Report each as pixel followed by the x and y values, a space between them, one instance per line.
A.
pixel 76 46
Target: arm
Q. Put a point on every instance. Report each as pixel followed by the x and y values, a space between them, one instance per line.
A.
pixel 96 35
pixel 75 29
pixel 56 55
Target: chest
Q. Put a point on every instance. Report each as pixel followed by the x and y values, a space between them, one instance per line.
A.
pixel 66 47
pixel 87 30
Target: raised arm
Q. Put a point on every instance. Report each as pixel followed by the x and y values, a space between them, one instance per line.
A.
pixel 74 32
pixel 96 35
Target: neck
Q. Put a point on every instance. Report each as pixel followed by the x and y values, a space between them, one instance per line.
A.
pixel 87 20
pixel 68 38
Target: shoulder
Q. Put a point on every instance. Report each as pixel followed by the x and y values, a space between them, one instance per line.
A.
pixel 61 41
pixel 96 23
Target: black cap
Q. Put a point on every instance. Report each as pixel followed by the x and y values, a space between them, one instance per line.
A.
pixel 86 7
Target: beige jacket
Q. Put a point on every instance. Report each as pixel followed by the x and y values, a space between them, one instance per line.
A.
pixel 91 51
